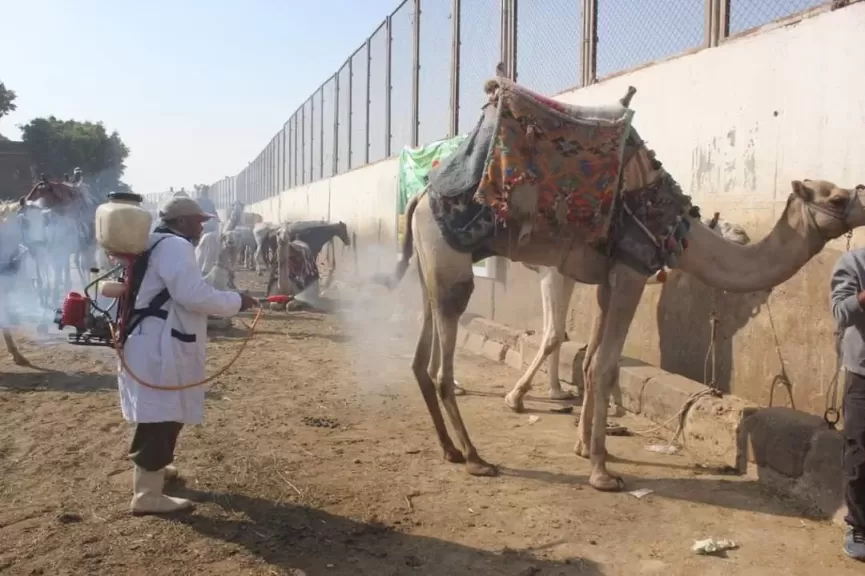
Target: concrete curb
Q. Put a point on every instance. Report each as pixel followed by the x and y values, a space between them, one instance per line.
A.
pixel 791 452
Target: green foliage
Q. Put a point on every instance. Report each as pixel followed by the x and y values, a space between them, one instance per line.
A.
pixel 57 147
pixel 7 100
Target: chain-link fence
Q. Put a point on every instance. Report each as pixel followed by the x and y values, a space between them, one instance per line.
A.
pixel 549 35
pixel 480 50
pixel 419 77
pixel 748 14
pixel 435 44
pixel 378 91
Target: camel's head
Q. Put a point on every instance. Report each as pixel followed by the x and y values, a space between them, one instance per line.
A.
pixel 832 210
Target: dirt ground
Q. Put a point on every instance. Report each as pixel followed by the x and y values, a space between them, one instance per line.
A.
pixel 318 457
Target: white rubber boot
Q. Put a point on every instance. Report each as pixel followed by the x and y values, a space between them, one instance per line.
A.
pixel 147 496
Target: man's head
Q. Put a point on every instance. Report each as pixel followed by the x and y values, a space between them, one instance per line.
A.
pixel 185 216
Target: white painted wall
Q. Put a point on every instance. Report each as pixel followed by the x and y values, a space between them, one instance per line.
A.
pixel 734 124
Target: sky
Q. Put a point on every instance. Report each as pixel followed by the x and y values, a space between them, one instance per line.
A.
pixel 195 88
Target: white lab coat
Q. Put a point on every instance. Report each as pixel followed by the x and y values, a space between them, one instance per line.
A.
pixel 160 358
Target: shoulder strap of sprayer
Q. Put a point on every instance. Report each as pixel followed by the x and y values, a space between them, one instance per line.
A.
pixel 154 308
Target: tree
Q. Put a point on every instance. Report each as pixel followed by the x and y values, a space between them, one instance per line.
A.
pixel 57 147
pixel 7 100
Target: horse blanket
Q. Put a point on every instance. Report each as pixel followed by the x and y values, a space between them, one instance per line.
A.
pixel 542 165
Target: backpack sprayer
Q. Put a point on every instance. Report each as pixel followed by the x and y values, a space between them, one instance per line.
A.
pixel 123 231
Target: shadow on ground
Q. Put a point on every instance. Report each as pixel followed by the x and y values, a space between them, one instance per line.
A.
pixel 302 540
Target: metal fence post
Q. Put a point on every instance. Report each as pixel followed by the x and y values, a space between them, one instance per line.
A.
pixel 453 129
pixel 311 138
pixel 723 20
pixel 415 75
pixel 336 123
pixel 350 107
pixel 303 143
pixel 388 88
pixel 590 42
pixel 321 136
pixel 511 36
pixel 368 75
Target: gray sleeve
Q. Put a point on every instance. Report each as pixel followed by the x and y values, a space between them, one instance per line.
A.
pixel 845 291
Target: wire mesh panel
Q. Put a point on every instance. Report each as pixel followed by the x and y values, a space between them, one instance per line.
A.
pixel 378 94
pixel 634 33
pixel 315 171
pixel 292 151
pixel 401 64
pixel 549 35
pixel 328 119
pixel 307 141
pixel 359 69
pixel 343 114
pixel 748 14
pixel 436 34
pixel 286 156
pixel 480 51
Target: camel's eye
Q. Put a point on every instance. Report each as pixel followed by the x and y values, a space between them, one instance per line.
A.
pixel 838 201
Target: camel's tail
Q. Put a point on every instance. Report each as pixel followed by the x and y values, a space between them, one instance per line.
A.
pixel 407 248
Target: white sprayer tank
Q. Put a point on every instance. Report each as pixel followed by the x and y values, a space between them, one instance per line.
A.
pixel 122 225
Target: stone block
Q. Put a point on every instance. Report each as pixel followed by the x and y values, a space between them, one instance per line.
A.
pixel 822 481
pixel 492 350
pixel 475 343
pixel 571 355
pixel 711 430
pixel 633 376
pixel 462 336
pixel 495 331
pixel 779 438
pixel 514 359
pixel 664 395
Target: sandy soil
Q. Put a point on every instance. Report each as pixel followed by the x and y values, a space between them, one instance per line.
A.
pixel 318 457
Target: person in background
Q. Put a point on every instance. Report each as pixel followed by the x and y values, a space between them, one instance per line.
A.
pixel 166 346
pixel 848 308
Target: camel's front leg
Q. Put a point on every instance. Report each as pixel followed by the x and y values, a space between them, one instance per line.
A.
pixel 626 289
pixel 584 424
pixel 17 356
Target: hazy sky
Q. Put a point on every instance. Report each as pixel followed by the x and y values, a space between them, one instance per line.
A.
pixel 194 87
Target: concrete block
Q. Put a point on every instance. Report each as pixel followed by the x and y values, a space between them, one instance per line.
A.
pixel 462 336
pixel 633 376
pixel 571 362
pixel 493 350
pixel 495 331
pixel 822 481
pixel 779 438
pixel 664 395
pixel 712 427
pixel 514 359
pixel 475 343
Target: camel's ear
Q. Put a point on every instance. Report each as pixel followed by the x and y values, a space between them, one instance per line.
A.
pixel 802 191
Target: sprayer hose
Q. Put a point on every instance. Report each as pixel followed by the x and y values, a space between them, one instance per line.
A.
pixel 119 348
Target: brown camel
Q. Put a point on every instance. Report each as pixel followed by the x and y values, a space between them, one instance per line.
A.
pixel 816 212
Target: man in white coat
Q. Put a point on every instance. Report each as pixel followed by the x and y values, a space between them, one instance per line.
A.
pixel 166 346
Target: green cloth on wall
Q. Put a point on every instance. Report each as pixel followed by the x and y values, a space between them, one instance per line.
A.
pixel 415 165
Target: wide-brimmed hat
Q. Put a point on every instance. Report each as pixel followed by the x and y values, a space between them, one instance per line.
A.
pixel 183 207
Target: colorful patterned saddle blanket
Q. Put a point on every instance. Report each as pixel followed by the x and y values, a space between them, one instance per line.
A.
pixel 548 167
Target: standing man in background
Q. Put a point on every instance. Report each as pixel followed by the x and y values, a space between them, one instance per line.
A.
pixel 848 308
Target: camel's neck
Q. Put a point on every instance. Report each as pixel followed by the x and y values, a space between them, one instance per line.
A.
pixel 761 266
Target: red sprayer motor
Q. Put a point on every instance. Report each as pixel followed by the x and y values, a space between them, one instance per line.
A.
pixel 92 323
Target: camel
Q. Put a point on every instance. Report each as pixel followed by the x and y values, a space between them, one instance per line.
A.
pixel 58 223
pixel 263 248
pixel 556 291
pixel 816 212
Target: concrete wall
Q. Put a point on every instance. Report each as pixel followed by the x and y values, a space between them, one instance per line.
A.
pixel 734 125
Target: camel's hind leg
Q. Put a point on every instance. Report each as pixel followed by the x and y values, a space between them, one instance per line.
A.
pixel 424 358
pixel 17 356
pixel 556 293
